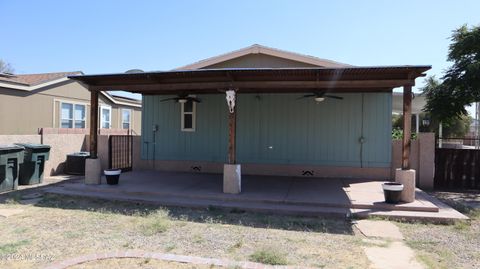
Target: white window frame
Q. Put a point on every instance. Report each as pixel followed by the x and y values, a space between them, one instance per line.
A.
pixel 109 108
pixel 194 116
pixel 130 119
pixel 74 104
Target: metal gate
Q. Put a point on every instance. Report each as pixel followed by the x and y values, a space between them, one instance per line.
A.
pixel 457 166
pixel 120 151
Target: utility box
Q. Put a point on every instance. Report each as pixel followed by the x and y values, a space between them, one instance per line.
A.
pixel 11 157
pixel 32 169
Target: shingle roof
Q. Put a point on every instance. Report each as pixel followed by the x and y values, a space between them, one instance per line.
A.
pixel 36 79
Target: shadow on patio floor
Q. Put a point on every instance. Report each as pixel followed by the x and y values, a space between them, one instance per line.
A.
pixel 16 195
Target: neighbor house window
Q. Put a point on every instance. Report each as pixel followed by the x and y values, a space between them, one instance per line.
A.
pixel 126 118
pixel 72 115
pixel 188 116
pixel 105 117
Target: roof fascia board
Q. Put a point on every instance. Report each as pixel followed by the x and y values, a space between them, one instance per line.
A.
pixel 217 59
pixel 256 49
pixel 34 87
pixel 113 100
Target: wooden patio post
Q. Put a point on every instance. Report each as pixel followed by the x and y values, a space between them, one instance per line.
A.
pixel 232 175
pixel 232 125
pixel 407 126
pixel 93 123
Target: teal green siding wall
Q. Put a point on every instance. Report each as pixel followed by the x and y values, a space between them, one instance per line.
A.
pixel 277 129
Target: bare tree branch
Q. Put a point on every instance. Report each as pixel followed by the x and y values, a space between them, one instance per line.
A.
pixel 6 67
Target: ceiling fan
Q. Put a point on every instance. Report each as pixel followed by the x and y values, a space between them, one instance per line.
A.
pixel 320 96
pixel 183 98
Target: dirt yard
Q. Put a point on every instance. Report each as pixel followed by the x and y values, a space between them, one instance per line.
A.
pixel 138 264
pixel 62 227
pixel 448 246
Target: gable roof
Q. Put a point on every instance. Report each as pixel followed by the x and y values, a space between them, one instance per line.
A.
pixel 259 49
pixel 35 79
pixel 30 82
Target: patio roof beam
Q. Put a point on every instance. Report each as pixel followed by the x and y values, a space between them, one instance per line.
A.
pixel 255 85
pixel 273 90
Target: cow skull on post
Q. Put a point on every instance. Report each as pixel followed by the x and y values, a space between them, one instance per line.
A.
pixel 230 96
pixel 232 176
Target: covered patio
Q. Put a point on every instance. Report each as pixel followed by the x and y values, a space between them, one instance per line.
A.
pixel 233 83
pixel 342 198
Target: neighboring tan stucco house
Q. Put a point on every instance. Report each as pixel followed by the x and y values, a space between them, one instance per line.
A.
pixel 32 102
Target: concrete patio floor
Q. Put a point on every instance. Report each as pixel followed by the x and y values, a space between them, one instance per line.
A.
pixel 287 195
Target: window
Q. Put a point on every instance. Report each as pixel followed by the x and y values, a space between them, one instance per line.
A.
pixel 188 116
pixel 80 116
pixel 72 115
pixel 105 117
pixel 126 118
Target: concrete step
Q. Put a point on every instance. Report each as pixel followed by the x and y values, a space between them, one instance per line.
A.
pixel 164 200
pixel 391 207
pixel 240 198
pixel 441 217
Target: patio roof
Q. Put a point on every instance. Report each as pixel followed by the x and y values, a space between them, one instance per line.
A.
pixel 258 80
pixel 344 79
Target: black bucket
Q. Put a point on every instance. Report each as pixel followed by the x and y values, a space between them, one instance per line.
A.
pixel 392 192
pixel 112 176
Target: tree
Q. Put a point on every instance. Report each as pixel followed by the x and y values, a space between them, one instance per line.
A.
pixel 440 105
pixel 461 83
pixel 6 67
pixel 458 127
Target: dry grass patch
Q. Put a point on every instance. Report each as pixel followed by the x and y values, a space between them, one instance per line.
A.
pixel 12 248
pixel 155 223
pixel 446 246
pixel 65 227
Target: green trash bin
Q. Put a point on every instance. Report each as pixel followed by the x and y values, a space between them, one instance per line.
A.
pixel 11 157
pixel 31 171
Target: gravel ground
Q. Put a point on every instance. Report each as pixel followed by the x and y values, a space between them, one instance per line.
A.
pixel 452 246
pixel 62 227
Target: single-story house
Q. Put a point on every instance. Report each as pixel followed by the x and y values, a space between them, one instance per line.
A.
pixel 30 102
pixel 261 110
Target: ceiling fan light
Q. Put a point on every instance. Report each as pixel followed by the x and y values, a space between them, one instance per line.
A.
pixel 182 100
pixel 319 99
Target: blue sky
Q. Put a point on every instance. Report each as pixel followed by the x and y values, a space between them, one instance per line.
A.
pixel 114 36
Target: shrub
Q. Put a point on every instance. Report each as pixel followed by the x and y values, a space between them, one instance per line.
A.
pixel 397 134
pixel 269 256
